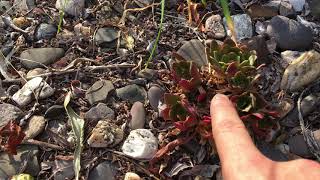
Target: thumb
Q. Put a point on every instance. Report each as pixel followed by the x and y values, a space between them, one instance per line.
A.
pixel 230 134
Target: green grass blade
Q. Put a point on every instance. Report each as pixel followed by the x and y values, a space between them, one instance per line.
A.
pixel 226 12
pixel 158 36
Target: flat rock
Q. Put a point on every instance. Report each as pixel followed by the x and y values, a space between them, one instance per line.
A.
pixel 64 169
pixel 242 25
pixel 140 144
pixel 106 37
pixel 103 171
pixel 132 93
pixel 36 85
pixel 71 7
pixel 9 112
pixel 288 57
pixel 149 74
pixel 138 116
pixel 99 91
pixel 215 27
pixel 34 127
pixel 194 50
pixel 298 4
pixel 105 134
pixel 37 56
pixel 301 72
pixel 45 31
pixel 12 165
pixel 99 112
pixel 290 34
pixel 155 94
pixel 299 147
pixel 54 111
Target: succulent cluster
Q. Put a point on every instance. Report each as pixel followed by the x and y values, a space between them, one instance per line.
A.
pixel 187 107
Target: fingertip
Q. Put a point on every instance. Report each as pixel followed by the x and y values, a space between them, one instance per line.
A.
pixel 219 99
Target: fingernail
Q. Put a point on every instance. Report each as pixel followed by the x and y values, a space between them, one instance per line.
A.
pixel 218 98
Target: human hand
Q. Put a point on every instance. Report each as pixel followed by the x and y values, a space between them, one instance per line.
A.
pixel 239 157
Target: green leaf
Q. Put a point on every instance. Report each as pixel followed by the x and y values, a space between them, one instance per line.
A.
pixel 171 99
pixel 77 125
pixel 252 59
pixel 240 79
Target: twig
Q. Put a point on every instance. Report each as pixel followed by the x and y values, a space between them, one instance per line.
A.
pixel 8 22
pixel 43 144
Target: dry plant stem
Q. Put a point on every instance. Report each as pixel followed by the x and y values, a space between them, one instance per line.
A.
pixel 9 23
pixel 189 11
pixel 43 144
pixel 122 20
pixel 307 134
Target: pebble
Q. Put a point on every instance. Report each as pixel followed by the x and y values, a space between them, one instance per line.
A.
pixel 103 171
pixel 25 95
pixel 298 146
pixel 35 72
pixel 301 72
pixel 143 3
pixel 266 10
pixel 271 152
pixel 106 37
pixel 289 34
pixel 155 95
pixel 21 22
pixel 9 112
pixel 54 112
pixel 99 91
pixel 297 4
pixel 45 31
pixel 131 176
pixel 71 7
pixel 140 144
pixel 149 74
pixel 308 105
pixel 99 112
pixel 38 56
pixel 132 93
pixel 105 134
pixel 24 5
pixel 286 9
pixel 26 158
pixel 194 50
pixel 215 27
pixel 79 29
pixel 34 127
pixel 138 116
pixel 288 57
pixel 260 27
pixel 242 25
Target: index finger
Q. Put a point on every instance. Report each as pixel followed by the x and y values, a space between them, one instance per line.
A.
pixel 230 134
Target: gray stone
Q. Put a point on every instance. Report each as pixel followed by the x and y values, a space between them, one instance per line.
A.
pixel 54 112
pixel 297 4
pixel 138 116
pixel 99 112
pixel 155 94
pixel 103 171
pixel 34 127
pixel 140 144
pixel 36 85
pixel 37 56
pixel 9 112
pixel 315 8
pixel 215 27
pixel 286 9
pixel 289 34
pixel 299 147
pixel 64 169
pixel 194 50
pixel 242 25
pixel 71 7
pixel 132 93
pixel 271 152
pixel 143 3
pixel 149 74
pixel 26 157
pixel 45 31
pixel 106 37
pixel 99 91
pixel 264 10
